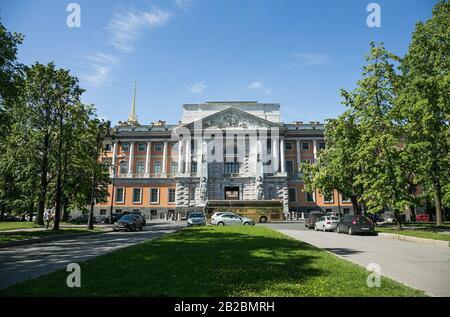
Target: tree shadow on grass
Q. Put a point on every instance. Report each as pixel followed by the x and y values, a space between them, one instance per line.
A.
pixel 193 262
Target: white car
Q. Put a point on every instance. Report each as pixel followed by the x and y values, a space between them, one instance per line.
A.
pixel 229 219
pixel 326 223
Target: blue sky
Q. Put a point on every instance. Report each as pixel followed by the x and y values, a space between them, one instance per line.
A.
pixel 298 53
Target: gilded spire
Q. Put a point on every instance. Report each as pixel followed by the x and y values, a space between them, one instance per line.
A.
pixel 132 118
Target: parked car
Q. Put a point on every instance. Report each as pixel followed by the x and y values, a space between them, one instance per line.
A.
pixel 10 218
pixel 220 213
pixel 130 222
pixel 353 224
pixel 196 219
pixel 422 218
pixel 136 213
pixel 229 219
pixel 82 219
pixel 312 218
pixel 326 223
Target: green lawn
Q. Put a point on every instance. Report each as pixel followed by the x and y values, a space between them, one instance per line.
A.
pixel 26 235
pixel 215 261
pixel 416 233
pixel 18 225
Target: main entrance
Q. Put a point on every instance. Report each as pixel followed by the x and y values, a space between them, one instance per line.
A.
pixel 232 193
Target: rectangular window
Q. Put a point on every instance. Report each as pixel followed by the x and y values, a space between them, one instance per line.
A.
pixel 193 167
pixel 157 167
pixel 290 167
pixel 154 195
pixel 321 145
pixel 158 147
pixel 288 146
pixel 310 197
pixel 142 147
pixel 231 168
pixel 328 198
pixel 125 147
pixel 171 195
pixel 192 194
pixel 108 147
pixel 292 195
pixel 345 199
pixel 136 195
pixel 173 168
pixel 102 212
pixel 305 145
pixel 120 195
pixel 140 167
pixel 123 167
pixel 346 211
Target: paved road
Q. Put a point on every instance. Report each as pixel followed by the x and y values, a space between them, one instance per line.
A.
pixel 18 264
pixel 422 266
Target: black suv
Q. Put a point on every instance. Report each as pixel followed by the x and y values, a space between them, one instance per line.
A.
pixel 130 222
pixel 353 224
pixel 312 218
pixel 136 213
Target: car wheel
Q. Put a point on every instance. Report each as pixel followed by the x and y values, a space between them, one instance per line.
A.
pixel 141 228
pixel 220 223
pixel 246 224
pixel 132 228
pixel 338 230
pixel 263 220
pixel 350 231
pixel 315 228
pixel 324 229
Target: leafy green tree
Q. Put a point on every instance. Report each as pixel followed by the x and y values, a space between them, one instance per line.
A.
pixel 10 80
pixel 337 167
pixel 425 103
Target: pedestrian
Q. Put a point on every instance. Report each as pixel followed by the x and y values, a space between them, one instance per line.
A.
pixel 47 218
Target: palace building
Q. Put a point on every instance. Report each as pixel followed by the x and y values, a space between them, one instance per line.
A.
pixel 219 153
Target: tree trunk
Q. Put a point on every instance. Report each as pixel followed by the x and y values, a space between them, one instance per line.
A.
pixel 439 212
pixel 355 205
pixel 398 220
pixel 65 217
pixel 91 213
pixel 59 177
pixel 44 183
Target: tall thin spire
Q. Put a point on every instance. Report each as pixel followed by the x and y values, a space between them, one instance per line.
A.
pixel 132 118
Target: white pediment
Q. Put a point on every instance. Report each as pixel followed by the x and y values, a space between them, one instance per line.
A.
pixel 233 118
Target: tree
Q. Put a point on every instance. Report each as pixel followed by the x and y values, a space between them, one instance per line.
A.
pixel 337 167
pixel 425 103
pixel 381 153
pixel 10 80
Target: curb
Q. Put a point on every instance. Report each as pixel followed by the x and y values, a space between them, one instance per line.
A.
pixel 440 243
pixel 46 239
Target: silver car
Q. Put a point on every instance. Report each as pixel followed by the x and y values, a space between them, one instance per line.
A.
pixel 326 223
pixel 196 219
pixel 229 219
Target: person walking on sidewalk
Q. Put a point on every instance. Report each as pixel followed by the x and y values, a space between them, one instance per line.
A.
pixel 47 218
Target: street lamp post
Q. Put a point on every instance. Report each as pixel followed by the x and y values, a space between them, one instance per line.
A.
pixel 112 193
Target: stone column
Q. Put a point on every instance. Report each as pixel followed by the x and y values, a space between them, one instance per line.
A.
pixel 113 160
pixel 275 149
pixel 299 155
pixel 282 156
pixel 315 150
pixel 188 156
pixel 130 159
pixel 147 159
pixel 180 156
pixel 164 167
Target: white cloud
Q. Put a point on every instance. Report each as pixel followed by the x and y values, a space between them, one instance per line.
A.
pixel 255 85
pixel 267 91
pixel 311 59
pixel 125 27
pixel 101 65
pixel 182 4
pixel 197 88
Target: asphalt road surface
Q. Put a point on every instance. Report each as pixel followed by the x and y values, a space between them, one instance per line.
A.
pixel 18 264
pixel 419 265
